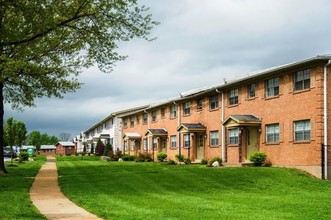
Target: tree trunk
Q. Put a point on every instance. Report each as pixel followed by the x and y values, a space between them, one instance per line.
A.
pixel 2 161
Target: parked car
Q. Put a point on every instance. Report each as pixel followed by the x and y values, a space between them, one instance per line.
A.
pixel 8 153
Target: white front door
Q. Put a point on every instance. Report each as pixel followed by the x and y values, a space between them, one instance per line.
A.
pixel 200 146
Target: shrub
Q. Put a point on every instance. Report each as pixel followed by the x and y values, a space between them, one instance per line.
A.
pixel 24 156
pixel 161 156
pixel 180 157
pixel 204 162
pixel 220 161
pixel 258 158
pixel 127 157
pixel 187 160
pixel 144 157
pixel 171 162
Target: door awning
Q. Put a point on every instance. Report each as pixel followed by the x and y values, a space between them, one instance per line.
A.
pixel 241 120
pixel 191 127
pixel 104 136
pixel 156 132
pixel 131 136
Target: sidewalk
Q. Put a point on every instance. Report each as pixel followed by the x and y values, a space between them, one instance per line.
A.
pixel 46 195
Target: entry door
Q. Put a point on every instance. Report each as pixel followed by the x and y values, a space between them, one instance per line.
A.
pixel 200 146
pixel 164 145
pixel 252 141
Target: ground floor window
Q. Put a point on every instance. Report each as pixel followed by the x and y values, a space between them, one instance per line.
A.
pixel 186 140
pixel 233 136
pixel 272 133
pixel 214 138
pixel 145 144
pixel 302 130
pixel 173 141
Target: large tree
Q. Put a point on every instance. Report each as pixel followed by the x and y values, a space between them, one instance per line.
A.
pixel 44 44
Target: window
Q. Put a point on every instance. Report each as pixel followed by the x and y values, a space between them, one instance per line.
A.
pixel 125 145
pixel 272 87
pixel 173 141
pixel 213 102
pixel 186 140
pixel 187 108
pixel 145 115
pixel 173 111
pixel 145 144
pixel 138 119
pixel 234 136
pixel 131 122
pixel 214 138
pixel 125 122
pixel 302 80
pixel 272 133
pixel 251 91
pixel 154 116
pixel 154 142
pixel 199 104
pixel 233 97
pixel 162 112
pixel 132 145
pixel 302 130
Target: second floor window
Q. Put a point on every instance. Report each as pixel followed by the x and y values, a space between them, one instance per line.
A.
pixel 213 102
pixel 272 87
pixel 162 112
pixel 125 122
pixel 233 97
pixel 302 80
pixel 131 121
pixel 199 104
pixel 251 91
pixel 173 111
pixel 145 115
pixel 186 107
pixel 154 116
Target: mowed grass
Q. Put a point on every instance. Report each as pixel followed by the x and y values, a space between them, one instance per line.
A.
pixel 15 201
pixel 130 190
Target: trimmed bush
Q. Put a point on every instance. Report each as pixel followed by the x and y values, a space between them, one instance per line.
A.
pixel 258 158
pixel 204 162
pixel 171 162
pixel 161 156
pixel 187 160
pixel 144 157
pixel 127 157
pixel 180 157
pixel 220 161
pixel 24 156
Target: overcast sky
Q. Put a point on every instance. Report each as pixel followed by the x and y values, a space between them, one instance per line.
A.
pixel 199 44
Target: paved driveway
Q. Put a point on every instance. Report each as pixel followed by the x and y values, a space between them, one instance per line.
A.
pixel 7 159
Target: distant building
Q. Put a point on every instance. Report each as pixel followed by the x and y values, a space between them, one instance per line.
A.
pixel 65 148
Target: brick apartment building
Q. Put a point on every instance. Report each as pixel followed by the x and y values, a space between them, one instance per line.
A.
pixel 282 111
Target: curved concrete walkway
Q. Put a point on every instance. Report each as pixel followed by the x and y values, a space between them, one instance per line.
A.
pixel 46 195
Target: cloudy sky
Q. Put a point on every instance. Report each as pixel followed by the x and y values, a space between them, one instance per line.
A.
pixel 199 44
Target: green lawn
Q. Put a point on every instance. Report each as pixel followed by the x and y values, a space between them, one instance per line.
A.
pixel 15 201
pixel 132 190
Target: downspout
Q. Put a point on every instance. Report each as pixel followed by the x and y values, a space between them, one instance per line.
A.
pixel 326 120
pixel 223 130
pixel 178 124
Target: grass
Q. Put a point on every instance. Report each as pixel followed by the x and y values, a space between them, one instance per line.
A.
pixel 14 190
pixel 130 190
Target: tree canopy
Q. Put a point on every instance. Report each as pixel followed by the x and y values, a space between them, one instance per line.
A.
pixel 44 45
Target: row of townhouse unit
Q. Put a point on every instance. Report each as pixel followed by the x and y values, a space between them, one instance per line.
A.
pixel 282 111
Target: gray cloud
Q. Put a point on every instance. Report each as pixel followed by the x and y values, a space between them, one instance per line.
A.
pixel 199 44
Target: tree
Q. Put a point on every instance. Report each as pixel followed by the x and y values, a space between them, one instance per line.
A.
pixel 20 132
pixel 53 41
pixel 64 136
pixel 35 139
pixel 10 135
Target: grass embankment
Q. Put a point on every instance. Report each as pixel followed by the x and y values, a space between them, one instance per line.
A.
pixel 131 190
pixel 15 201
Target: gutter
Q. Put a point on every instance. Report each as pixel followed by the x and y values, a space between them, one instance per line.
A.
pixel 325 109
